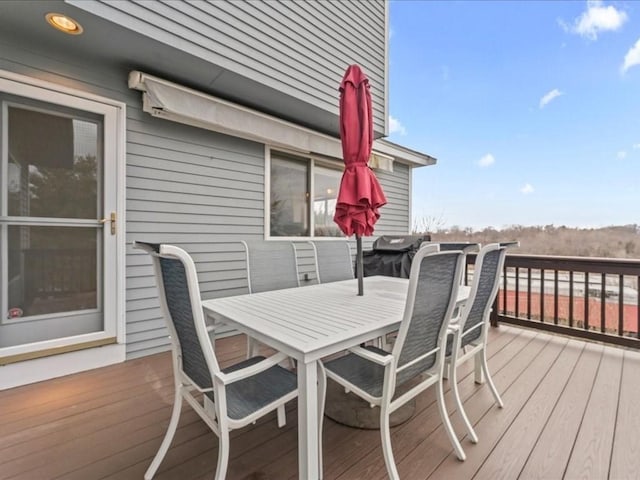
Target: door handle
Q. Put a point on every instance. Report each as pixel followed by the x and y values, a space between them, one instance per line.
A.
pixel 112 220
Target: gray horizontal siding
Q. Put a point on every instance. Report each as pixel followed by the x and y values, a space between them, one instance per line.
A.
pixel 191 187
pixel 216 196
pixel 394 217
pixel 297 47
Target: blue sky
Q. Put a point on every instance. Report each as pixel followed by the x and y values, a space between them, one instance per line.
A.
pixel 532 109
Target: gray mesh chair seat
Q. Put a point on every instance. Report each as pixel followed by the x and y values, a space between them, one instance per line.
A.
pixel 450 343
pixel 245 397
pixel 418 353
pixel 235 396
pixel 468 337
pixel 360 372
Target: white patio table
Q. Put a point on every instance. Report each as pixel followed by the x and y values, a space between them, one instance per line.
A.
pixel 309 323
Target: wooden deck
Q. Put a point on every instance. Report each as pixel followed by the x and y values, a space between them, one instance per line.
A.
pixel 570 412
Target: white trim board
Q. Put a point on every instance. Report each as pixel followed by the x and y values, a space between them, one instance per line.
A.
pixel 46 368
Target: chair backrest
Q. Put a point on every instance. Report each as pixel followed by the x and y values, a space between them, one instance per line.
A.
pixel 466 247
pixel 484 288
pixel 271 265
pixel 431 298
pixel 333 261
pixel 181 304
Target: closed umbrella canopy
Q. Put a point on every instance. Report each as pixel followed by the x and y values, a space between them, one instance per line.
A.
pixel 360 194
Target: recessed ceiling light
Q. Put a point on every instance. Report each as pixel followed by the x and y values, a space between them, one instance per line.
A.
pixel 64 24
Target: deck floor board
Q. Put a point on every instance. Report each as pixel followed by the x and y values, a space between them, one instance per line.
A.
pixel 570 412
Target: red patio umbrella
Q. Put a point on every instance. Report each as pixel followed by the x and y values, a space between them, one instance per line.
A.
pixel 360 194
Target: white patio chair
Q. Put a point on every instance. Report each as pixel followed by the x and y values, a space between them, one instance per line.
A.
pixel 333 261
pixel 469 336
pixel 225 399
pixel 270 266
pixel 418 353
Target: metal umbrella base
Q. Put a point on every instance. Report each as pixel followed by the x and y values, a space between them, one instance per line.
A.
pixel 349 409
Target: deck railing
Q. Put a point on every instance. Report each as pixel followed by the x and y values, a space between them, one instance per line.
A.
pixel 592 298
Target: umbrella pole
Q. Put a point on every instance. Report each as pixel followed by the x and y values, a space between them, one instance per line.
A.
pixel 359 264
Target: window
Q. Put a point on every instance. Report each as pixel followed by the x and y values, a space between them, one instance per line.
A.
pixel 303 195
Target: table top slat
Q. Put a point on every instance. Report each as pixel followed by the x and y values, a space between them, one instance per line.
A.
pixel 307 322
pixel 314 317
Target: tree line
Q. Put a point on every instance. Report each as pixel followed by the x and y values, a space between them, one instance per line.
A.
pixel 608 242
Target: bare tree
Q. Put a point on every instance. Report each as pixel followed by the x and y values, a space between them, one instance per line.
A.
pixel 428 224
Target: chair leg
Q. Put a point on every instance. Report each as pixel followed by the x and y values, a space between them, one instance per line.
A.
pixel 282 416
pixel 456 395
pixel 385 434
pixel 485 369
pixel 477 369
pixel 447 423
pixel 223 453
pixel 168 437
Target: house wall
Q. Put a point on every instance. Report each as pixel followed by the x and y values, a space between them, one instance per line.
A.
pixel 198 189
pixel 255 40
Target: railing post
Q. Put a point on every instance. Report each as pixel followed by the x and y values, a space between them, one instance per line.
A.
pixel 493 318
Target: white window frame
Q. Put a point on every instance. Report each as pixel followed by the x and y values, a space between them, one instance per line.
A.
pixel 325 162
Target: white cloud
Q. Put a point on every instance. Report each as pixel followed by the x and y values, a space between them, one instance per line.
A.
pixel 595 19
pixel 396 127
pixel 632 57
pixel 550 96
pixel 636 146
pixel 527 188
pixel 487 160
pixel 622 155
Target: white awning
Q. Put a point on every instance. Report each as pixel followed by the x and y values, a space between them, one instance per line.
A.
pixel 380 161
pixel 177 103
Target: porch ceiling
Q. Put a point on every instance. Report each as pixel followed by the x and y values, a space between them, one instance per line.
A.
pixel 24 25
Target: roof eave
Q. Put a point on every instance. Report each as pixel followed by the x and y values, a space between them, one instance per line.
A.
pixel 403 154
